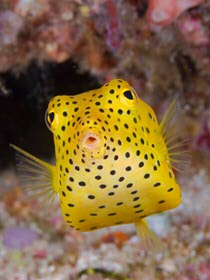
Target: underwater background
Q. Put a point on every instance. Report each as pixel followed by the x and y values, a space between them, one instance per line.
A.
pixel 47 48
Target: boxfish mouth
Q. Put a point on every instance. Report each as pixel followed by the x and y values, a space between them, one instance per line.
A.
pixel 92 143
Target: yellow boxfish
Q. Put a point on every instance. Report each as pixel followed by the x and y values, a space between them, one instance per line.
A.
pixel 114 162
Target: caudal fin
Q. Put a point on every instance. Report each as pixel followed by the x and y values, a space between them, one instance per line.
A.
pixel 148 238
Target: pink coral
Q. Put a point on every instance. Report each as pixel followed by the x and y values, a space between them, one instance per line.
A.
pixel 193 31
pixel 203 139
pixel 164 12
pixel 10 26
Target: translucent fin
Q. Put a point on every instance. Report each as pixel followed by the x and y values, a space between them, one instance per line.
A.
pixel 36 175
pixel 148 238
pixel 172 131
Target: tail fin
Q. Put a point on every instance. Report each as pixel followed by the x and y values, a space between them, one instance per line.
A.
pixel 36 175
pixel 148 238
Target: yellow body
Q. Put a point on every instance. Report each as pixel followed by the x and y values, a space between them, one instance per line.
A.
pixel 110 187
pixel 112 163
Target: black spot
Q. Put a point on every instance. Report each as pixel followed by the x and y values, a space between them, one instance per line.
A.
pixel 93 214
pixel 142 141
pixel 76 109
pixel 65 114
pixel 100 167
pixel 152 156
pixel 63 193
pixel 93 228
pixel 119 142
pixel 121 179
pixel 137 206
pixel 141 164
pixel 115 186
pixel 116 127
pixel 126 126
pixel 101 110
pixel 82 184
pixel 155 168
pixel 139 211
pixel 134 192
pixel 67 215
pixel 102 186
pixel 146 156
pixel 147 130
pixel 128 139
pixel 134 135
pixel 136 198
pixel 91 196
pixel 135 120
pixel 128 168
pixel 161 201
pixel 157 184
pixel 146 176
pixel 138 153
pixel 112 172
pixel 71 205
pixel 71 179
pixel 112 214
pixel 127 154
pixel 111 193
pixel 128 94
pixel 77 168
pixel 69 188
pixel 171 189
pixel 87 169
pixel 111 91
pixel 116 157
pixel 98 103
pixel 151 117
pixel 98 177
pixel 63 127
pixel 129 185
pixel 119 203
pixel 102 206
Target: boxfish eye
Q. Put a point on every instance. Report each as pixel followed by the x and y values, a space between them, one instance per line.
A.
pixel 128 94
pixel 51 117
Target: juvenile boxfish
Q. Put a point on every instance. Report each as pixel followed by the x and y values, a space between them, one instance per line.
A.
pixel 114 162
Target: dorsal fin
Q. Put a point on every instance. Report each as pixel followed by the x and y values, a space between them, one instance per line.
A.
pixel 172 131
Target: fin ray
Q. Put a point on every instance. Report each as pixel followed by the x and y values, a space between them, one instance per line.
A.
pixel 36 175
pixel 148 238
pixel 173 137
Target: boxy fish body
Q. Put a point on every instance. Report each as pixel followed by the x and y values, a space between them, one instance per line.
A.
pixel 113 163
